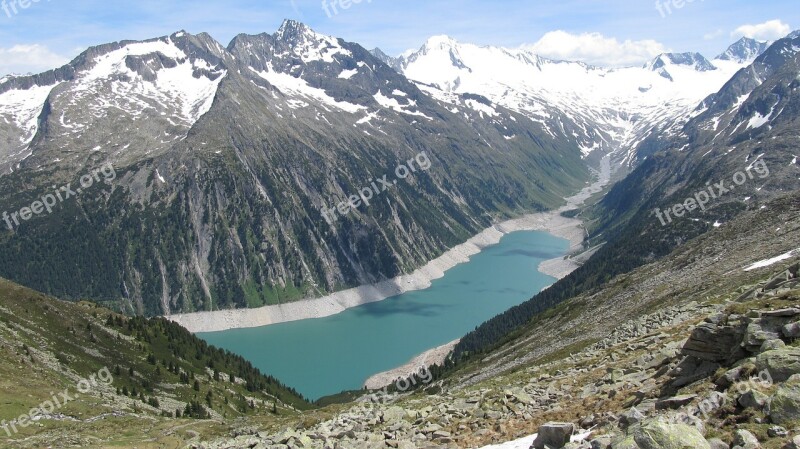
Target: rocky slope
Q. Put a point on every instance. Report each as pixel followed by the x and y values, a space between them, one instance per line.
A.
pixel 682 371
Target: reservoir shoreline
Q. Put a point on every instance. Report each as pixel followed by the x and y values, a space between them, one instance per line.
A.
pixel 551 222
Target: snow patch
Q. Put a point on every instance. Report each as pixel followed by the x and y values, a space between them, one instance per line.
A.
pixel 392 103
pixel 347 74
pixel 23 108
pixel 526 442
pixel 757 121
pixel 772 261
pixel 290 85
pixel 482 108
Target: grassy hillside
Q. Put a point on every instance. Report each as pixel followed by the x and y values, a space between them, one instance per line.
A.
pixel 97 374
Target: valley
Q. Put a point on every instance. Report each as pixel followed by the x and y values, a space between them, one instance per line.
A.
pixel 340 352
pixel 299 243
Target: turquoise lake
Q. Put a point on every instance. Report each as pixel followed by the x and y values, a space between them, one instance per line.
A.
pixel 324 356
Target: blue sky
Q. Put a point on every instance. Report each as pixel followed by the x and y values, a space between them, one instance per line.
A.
pixel 48 33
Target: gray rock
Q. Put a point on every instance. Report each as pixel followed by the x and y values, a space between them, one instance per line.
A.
pixel 716 443
pixel 756 335
pixel 770 345
pixel 690 370
pixel 791 312
pixel 730 377
pixel 716 343
pixel 601 442
pixel 581 445
pixel 745 440
pixel 657 434
pixel 554 434
pixel 393 414
pixel 631 417
pixel 780 363
pixel 791 330
pixel 777 432
pixel 784 407
pixel 753 399
pixel 626 443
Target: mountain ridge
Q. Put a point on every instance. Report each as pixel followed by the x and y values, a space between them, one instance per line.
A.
pixel 229 155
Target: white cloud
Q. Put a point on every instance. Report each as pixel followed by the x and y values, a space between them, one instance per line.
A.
pixel 596 49
pixel 767 31
pixel 33 58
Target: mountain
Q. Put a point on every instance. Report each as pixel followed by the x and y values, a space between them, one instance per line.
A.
pixel 735 156
pixel 744 50
pixel 694 61
pixel 681 326
pixel 386 59
pixel 228 172
pixel 601 110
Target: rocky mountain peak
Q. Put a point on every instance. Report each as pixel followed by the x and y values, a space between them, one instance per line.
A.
pixel 689 59
pixel 744 50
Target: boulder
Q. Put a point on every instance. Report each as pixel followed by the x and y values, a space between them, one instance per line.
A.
pixel 777 432
pixel 768 326
pixel 770 345
pixel 626 443
pixel 756 335
pixel 784 407
pixel 393 414
pixel 718 343
pixel 553 434
pixel 781 363
pixel 790 312
pixel 730 377
pixel 791 330
pixel 601 442
pixel 631 417
pixel 745 440
pixel 716 443
pixel 753 399
pixel 657 434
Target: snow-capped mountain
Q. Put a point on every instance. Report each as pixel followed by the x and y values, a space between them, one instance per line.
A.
pixel 601 110
pixel 132 97
pixel 236 167
pixel 226 156
pixel 753 101
pixel 744 50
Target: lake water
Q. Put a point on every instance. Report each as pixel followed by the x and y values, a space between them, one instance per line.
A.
pixel 324 356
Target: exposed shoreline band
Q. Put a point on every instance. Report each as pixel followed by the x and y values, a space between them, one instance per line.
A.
pixel 221 320
pixel 552 222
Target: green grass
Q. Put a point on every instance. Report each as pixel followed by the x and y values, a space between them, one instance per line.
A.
pixel 46 345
